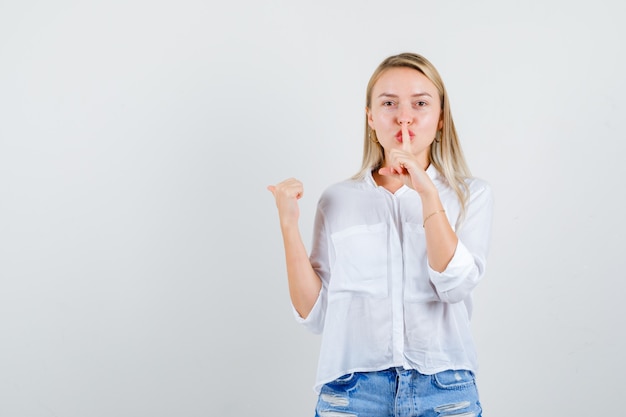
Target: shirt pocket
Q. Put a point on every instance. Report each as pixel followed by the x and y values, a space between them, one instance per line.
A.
pixel 361 260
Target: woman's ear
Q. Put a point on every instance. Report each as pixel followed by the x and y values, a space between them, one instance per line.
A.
pixel 370 122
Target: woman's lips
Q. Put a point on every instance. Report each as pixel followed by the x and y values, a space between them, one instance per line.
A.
pixel 399 136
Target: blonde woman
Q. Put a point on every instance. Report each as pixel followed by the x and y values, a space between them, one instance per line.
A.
pixel 397 251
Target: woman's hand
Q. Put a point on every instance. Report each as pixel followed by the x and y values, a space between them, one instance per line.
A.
pixel 403 165
pixel 287 193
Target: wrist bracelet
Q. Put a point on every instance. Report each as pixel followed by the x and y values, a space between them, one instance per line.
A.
pixel 431 215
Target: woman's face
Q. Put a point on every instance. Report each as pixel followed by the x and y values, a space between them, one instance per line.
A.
pixel 404 96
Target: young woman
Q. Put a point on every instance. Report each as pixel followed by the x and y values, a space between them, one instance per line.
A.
pixel 397 251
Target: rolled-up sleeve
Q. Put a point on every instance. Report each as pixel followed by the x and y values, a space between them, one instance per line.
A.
pixel 314 322
pixel 467 266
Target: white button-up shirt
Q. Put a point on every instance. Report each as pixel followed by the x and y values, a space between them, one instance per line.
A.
pixel 381 305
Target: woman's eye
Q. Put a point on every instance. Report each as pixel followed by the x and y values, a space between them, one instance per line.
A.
pixel 420 103
pixel 388 103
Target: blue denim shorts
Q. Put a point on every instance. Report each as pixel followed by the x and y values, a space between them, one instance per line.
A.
pixel 399 392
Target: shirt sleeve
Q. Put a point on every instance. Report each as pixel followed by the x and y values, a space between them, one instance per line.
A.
pixel 467 266
pixel 321 264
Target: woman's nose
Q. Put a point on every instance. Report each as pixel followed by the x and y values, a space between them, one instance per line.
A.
pixel 404 116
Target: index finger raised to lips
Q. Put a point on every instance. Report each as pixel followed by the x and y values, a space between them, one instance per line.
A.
pixel 406 138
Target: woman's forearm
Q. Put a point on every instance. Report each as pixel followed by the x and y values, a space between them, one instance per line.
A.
pixel 441 241
pixel 304 283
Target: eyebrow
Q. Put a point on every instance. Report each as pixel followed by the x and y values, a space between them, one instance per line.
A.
pixel 395 95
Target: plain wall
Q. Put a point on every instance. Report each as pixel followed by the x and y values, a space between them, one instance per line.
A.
pixel 141 264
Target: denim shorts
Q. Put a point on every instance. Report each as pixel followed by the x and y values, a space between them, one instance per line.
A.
pixel 399 392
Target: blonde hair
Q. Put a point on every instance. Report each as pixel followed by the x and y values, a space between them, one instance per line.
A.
pixel 445 152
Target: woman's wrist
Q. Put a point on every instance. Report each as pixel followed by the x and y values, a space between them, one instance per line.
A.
pixel 429 194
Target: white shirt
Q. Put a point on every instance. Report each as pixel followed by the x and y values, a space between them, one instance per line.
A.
pixel 381 305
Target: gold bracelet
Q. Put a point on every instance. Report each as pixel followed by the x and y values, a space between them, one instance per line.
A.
pixel 431 215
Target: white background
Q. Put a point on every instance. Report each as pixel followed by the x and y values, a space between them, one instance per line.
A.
pixel 141 266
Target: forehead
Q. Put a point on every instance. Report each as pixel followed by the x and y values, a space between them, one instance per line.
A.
pixel 403 80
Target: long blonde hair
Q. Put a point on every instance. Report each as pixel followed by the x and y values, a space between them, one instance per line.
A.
pixel 445 152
